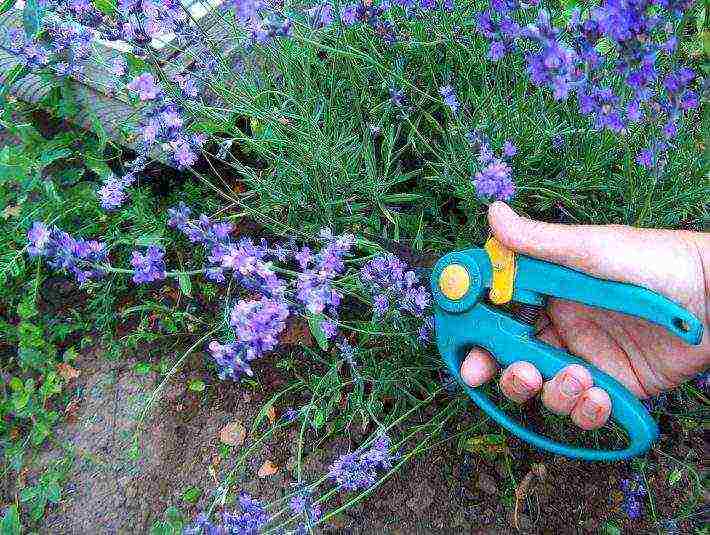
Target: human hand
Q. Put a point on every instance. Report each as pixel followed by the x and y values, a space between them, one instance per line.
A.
pixel 644 357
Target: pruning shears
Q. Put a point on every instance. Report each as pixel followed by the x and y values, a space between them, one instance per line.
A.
pixel 488 298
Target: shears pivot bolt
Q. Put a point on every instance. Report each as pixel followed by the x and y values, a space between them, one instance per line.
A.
pixel 454 281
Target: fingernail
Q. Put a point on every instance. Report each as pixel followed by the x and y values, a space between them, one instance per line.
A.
pixel 570 386
pixel 520 386
pixel 590 409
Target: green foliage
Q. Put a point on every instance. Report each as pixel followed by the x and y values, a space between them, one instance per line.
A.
pixel 318 144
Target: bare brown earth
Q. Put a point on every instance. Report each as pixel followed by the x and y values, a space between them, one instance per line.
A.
pixel 442 492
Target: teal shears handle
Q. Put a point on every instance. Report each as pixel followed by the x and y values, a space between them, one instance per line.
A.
pixel 468 322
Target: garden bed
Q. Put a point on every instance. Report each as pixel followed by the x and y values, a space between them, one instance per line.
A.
pixel 220 285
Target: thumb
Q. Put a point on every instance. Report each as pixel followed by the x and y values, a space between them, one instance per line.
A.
pixel 616 252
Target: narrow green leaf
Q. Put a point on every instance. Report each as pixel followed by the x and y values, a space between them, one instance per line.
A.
pixel 196 385
pixel 10 524
pixel 192 494
pixel 185 283
pixel 5 5
pixel 315 323
pixel 105 6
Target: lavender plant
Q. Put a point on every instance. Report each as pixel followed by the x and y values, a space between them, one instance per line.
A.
pixel 327 122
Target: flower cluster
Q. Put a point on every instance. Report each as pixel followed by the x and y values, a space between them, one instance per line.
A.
pixel 81 258
pixel 246 260
pixel 302 504
pixel 262 22
pixel 554 65
pixel 148 267
pixel 634 491
pixel 495 178
pixel 65 48
pixel 163 122
pixel 314 285
pixel 112 193
pixel 393 285
pixel 449 95
pixel 358 470
pixel 632 29
pixel 257 325
pixel 248 521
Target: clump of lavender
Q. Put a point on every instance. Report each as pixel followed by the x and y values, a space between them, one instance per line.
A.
pixel 78 257
pixel 358 470
pixel 634 491
pixel 393 285
pixel 148 267
pixel 573 63
pixel 257 325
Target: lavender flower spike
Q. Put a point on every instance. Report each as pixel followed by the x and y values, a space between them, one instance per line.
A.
pixel 148 267
pixel 358 470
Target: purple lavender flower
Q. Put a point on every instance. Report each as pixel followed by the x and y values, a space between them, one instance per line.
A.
pixel 148 267
pixel 653 156
pixel 117 67
pixel 390 283
pixel 634 491
pixel 495 181
pixel 349 14
pixel 183 155
pixel 500 33
pixel 358 470
pixel 202 526
pixel 603 104
pixel 112 194
pixel 329 328
pixel 302 504
pixel 290 415
pixel 558 142
pixel 347 352
pixel 246 10
pixel 38 237
pixel 178 216
pixel 426 330
pixel 249 520
pixel 320 15
pixel 509 149
pixel 257 325
pixel 144 85
pixel 78 257
pixel 449 96
pixel 314 286
pixel 702 381
pixel 553 66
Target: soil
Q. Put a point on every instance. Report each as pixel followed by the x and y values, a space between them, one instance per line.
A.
pixel 441 492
